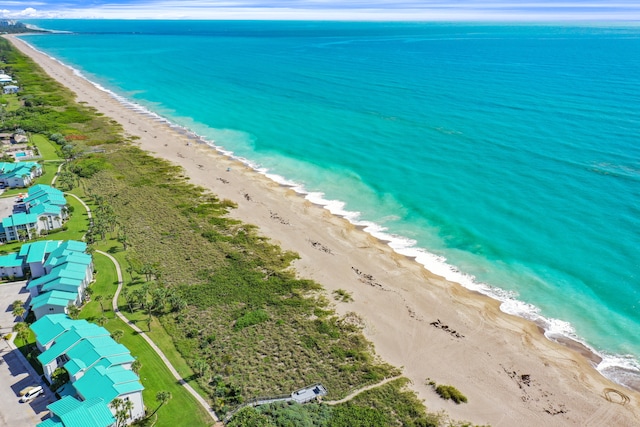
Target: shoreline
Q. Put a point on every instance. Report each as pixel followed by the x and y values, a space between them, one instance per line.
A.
pixel 413 253
pixel 401 299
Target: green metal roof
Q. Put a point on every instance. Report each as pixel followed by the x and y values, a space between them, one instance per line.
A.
pixel 90 413
pixel 11 260
pixel 58 298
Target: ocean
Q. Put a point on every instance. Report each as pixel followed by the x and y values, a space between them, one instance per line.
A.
pixel 504 157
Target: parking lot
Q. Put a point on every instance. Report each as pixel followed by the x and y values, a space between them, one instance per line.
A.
pixel 15 372
pixel 6 206
pixel 13 378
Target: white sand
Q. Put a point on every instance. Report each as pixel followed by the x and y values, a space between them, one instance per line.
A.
pixel 510 373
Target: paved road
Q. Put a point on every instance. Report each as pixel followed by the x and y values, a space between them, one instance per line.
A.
pixel 175 373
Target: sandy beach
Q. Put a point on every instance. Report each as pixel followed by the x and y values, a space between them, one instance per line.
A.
pixel 432 328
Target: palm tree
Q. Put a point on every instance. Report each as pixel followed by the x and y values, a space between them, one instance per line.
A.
pixel 121 413
pixel 136 366
pixel 44 218
pixel 127 407
pixel 22 235
pixel 117 335
pixel 162 397
pixel 73 311
pixel 18 309
pixel 102 321
pixel 99 299
pixel 22 331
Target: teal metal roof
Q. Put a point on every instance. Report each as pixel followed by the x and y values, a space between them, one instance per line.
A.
pixel 45 209
pixel 61 284
pixel 40 187
pixel 66 341
pixel 19 219
pixel 42 280
pixel 11 260
pixel 72 257
pixel 107 383
pixel 51 422
pixel 37 251
pixel 43 198
pixel 90 413
pixel 62 271
pixel 58 298
pixel 49 327
pixel 89 351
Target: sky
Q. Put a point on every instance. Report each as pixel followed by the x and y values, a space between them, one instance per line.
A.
pixel 390 10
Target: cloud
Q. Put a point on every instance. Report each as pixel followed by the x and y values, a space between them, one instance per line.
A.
pixel 333 9
pixel 28 12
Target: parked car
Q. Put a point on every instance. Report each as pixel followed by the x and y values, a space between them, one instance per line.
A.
pixel 32 394
pixel 27 389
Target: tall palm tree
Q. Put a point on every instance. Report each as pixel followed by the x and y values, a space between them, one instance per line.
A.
pixel 99 299
pixel 117 335
pixel 22 331
pixel 18 309
pixel 43 219
pixel 162 397
pixel 73 311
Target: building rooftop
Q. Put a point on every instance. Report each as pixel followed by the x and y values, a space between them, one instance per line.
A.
pixel 70 412
pixel 59 298
pixel 69 339
pixel 10 260
pixel 107 383
pixel 37 251
pixel 49 327
pixel 19 219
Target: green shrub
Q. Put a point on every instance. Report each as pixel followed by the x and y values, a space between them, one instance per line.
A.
pixel 450 392
pixel 251 318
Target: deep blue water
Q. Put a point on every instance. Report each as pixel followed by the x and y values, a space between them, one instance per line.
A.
pixel 504 157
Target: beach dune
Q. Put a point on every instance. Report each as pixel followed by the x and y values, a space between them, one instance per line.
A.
pixel 431 328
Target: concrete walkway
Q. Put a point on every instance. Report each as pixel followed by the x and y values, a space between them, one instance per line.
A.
pixel 175 373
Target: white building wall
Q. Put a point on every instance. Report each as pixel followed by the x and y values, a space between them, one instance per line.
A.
pixel 138 405
pixel 37 269
pixel 49 309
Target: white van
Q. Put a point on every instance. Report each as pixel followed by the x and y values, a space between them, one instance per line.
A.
pixel 32 394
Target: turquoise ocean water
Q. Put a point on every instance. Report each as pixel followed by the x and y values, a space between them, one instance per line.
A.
pixel 505 157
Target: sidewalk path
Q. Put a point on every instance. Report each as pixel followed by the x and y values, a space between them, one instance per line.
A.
pixel 175 373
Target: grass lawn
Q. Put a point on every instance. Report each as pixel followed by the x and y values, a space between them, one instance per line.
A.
pixel 48 150
pixel 12 100
pixel 182 409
